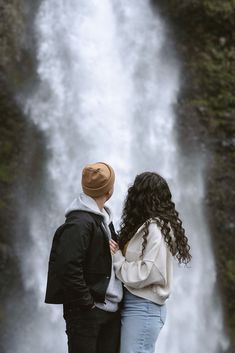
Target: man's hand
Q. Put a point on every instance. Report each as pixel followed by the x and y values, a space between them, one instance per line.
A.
pixel 113 246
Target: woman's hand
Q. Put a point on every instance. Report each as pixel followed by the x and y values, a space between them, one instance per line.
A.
pixel 113 246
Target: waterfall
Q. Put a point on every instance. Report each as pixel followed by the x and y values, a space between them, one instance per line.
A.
pixel 107 85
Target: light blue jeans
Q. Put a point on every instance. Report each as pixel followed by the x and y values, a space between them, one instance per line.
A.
pixel 141 321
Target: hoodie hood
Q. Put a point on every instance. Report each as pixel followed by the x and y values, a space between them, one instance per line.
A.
pixel 86 203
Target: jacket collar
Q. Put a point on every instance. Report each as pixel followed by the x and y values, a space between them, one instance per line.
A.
pixel 73 215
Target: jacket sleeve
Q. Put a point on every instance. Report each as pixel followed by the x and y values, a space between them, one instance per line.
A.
pixel 143 272
pixel 72 250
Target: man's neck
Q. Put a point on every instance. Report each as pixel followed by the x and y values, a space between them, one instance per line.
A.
pixel 100 202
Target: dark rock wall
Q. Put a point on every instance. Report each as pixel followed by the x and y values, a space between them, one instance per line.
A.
pixel 204 32
pixel 19 144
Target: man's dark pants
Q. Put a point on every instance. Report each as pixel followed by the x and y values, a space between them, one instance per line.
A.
pixel 92 331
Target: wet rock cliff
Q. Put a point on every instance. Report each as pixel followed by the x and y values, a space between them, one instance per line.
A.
pixel 203 31
pixel 18 166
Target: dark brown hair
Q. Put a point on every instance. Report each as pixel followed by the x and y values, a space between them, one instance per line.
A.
pixel 150 198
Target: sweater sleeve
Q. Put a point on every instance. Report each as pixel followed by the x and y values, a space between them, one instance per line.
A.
pixel 143 272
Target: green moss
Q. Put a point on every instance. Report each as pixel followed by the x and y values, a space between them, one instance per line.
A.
pixel 223 10
pixel 204 31
pixel 6 175
pixel 230 267
pixel 232 155
pixel 216 76
pixel 6 148
pixel 2 204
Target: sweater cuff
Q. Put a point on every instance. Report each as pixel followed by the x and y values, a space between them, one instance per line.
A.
pixel 117 257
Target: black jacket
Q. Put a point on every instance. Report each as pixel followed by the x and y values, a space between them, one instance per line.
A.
pixel 80 261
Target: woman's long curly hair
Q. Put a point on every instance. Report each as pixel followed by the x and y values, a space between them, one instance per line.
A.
pixel 150 198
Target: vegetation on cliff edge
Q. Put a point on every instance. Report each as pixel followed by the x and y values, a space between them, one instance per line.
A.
pixel 205 36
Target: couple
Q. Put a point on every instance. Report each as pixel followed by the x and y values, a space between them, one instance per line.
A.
pixel 113 288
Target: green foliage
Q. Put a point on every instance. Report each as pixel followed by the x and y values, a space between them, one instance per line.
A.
pixel 15 39
pixel 205 32
pixel 230 270
pixel 222 10
pixel 8 146
pixel 217 15
pixel 6 175
pixel 217 78
pixel 2 204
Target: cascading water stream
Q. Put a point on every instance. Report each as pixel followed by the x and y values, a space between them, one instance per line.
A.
pixel 107 86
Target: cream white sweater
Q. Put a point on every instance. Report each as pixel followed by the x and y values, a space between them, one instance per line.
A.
pixel 149 277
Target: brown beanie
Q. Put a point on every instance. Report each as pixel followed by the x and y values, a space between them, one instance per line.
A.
pixel 97 179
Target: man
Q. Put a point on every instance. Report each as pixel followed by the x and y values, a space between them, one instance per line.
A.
pixel 81 275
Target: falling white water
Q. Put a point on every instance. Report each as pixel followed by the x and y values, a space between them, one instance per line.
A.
pixel 107 86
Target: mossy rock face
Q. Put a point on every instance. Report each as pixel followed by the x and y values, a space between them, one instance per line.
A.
pixel 22 157
pixel 205 13
pixel 11 130
pixel 16 134
pixel 205 37
pixel 17 41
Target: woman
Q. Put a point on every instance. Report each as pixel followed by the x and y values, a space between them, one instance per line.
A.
pixel 151 235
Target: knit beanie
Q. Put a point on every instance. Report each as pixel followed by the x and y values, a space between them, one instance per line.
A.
pixel 97 179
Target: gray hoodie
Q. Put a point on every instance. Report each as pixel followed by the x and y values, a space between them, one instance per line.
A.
pixel 114 291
